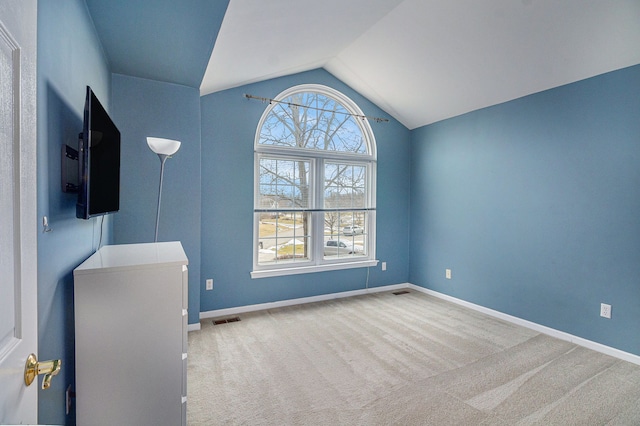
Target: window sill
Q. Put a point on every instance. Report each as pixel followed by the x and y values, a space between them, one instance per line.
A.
pixel 266 273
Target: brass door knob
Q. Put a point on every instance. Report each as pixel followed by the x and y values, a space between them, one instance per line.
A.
pixel 32 368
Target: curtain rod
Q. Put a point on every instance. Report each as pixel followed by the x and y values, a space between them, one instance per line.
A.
pixel 270 101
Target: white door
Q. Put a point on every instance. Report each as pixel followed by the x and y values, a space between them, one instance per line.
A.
pixel 18 216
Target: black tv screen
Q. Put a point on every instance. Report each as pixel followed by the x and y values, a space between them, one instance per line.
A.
pixel 99 156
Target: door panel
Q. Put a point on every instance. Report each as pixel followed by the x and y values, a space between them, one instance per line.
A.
pixel 9 70
pixel 18 248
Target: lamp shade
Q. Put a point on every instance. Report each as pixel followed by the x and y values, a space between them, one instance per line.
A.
pixel 163 146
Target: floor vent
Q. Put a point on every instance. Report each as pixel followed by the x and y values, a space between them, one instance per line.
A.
pixel 226 320
pixel 398 293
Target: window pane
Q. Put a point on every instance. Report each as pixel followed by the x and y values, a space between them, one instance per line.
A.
pixel 283 237
pixel 284 184
pixel 314 121
pixel 344 186
pixel 345 234
pixel 313 183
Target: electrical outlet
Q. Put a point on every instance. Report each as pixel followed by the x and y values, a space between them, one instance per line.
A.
pixel 209 284
pixel 605 310
pixel 447 274
pixel 384 266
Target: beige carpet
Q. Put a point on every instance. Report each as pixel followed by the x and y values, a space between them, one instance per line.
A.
pixel 410 359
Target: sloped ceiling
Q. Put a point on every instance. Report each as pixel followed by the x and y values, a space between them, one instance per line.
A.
pixel 419 60
pixel 164 40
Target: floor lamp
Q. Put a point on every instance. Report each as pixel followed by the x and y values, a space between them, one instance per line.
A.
pixel 165 148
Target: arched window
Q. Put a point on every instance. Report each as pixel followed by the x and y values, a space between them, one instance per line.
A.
pixel 315 168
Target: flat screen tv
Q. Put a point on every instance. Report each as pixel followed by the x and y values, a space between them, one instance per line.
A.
pixel 99 162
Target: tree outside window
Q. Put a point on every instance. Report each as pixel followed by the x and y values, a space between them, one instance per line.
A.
pixel 315 171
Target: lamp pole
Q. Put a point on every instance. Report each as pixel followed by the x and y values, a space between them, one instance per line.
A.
pixel 163 159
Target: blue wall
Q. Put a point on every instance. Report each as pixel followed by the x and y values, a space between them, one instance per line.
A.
pixel 69 58
pixel 531 203
pixel 534 205
pixel 151 108
pixel 229 124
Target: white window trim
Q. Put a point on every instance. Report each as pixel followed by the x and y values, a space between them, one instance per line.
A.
pixel 294 270
pixel 317 262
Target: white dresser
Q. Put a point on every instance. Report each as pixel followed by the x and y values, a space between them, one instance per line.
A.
pixel 131 335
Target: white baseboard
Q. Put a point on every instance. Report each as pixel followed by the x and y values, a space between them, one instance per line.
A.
pixel 598 347
pixel 291 302
pixel 193 327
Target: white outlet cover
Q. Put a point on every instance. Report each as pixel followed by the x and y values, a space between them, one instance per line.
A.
pixel 605 310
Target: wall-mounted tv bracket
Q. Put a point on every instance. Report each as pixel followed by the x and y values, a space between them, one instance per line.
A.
pixel 70 173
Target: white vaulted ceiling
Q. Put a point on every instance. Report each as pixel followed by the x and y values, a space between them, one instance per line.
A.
pixel 419 60
pixel 426 60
